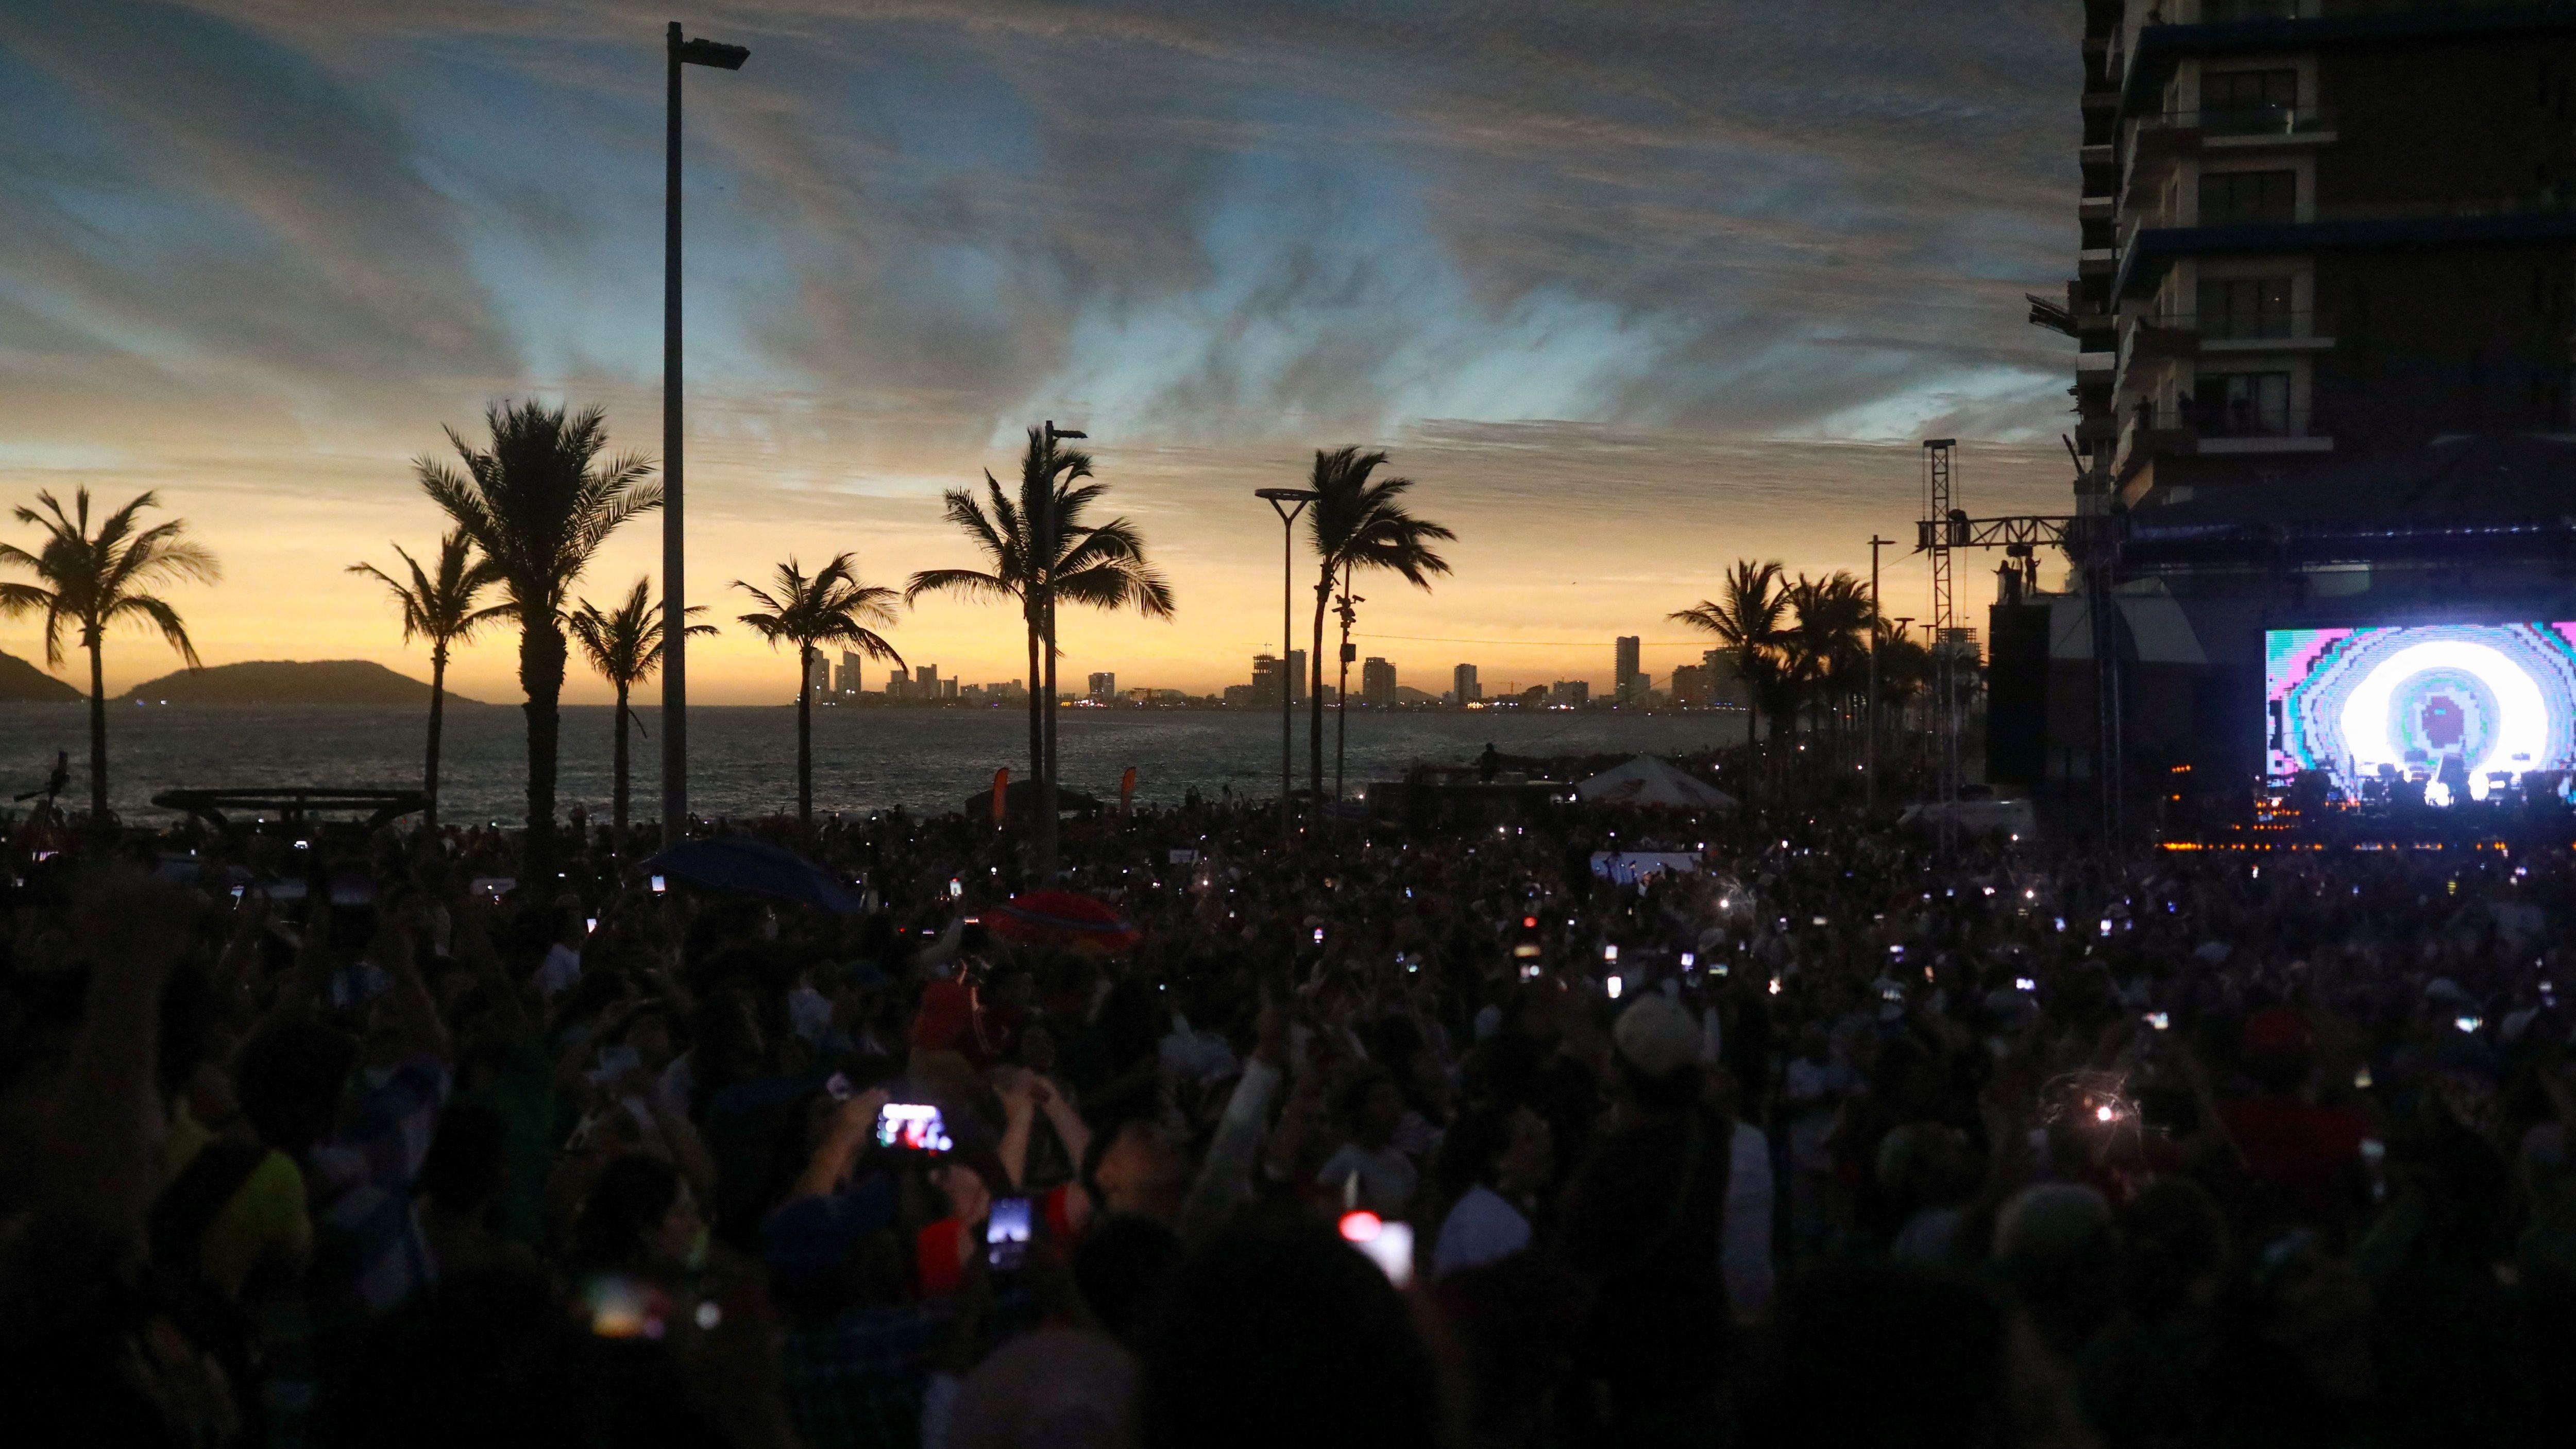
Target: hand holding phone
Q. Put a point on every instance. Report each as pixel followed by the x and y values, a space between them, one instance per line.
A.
pixel 912 1127
pixel 1006 1234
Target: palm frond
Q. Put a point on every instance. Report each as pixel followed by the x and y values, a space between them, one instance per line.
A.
pixel 158 615
pixel 970 582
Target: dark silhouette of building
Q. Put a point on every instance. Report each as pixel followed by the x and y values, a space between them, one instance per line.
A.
pixel 2324 301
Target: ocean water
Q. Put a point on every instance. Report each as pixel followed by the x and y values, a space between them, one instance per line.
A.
pixel 743 759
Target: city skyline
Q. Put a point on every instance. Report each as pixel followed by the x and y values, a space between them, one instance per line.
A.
pixel 263 254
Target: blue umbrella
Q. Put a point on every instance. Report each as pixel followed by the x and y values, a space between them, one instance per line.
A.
pixel 733 863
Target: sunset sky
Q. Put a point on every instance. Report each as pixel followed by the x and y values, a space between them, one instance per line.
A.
pixel 1630 287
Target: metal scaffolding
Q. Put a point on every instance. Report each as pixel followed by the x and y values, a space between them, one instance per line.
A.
pixel 1935 541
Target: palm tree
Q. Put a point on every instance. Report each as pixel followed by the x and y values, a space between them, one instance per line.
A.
pixel 1037 548
pixel 92 580
pixel 828 608
pixel 1827 646
pixel 1356 523
pixel 1747 615
pixel 1904 671
pixel 440 608
pixel 624 645
pixel 539 502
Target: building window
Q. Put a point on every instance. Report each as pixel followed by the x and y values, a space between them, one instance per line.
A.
pixel 2249 102
pixel 2238 307
pixel 2244 405
pixel 2229 198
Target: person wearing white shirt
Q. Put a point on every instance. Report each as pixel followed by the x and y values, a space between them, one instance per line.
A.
pixel 1745 1249
pixel 562 968
pixel 1491 1162
pixel 1386 1177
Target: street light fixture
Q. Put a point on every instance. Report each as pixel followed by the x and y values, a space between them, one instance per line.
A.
pixel 675 618
pixel 1280 501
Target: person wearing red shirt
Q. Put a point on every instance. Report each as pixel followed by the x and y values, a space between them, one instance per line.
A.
pixel 2303 1151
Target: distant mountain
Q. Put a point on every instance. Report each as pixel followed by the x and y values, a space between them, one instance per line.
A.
pixel 23 683
pixel 289 681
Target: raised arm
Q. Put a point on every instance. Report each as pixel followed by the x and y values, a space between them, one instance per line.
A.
pixel 104 1128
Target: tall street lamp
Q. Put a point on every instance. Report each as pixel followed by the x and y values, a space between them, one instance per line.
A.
pixel 675 617
pixel 1281 501
pixel 1049 548
pixel 1877 626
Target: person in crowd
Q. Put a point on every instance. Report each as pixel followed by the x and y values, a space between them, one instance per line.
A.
pixel 1493 1162
pixel 1868 1143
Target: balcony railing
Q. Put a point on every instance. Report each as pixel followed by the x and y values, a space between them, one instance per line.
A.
pixel 2248 326
pixel 2233 420
pixel 2228 12
pixel 2219 429
pixel 2257 120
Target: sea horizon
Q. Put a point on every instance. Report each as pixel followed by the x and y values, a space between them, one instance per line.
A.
pixel 743 756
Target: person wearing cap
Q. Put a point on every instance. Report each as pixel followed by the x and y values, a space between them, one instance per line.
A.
pixel 1644 1219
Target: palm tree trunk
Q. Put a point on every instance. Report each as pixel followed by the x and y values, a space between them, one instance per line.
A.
pixel 1051 761
pixel 1744 667
pixel 617 773
pixel 1047 822
pixel 437 718
pixel 1037 722
pixel 1342 690
pixel 541 673
pixel 97 738
pixel 805 739
pixel 1315 689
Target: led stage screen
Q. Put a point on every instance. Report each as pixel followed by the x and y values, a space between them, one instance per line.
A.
pixel 2443 709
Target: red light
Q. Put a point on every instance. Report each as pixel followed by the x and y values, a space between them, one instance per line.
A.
pixel 1529 923
pixel 1361 1226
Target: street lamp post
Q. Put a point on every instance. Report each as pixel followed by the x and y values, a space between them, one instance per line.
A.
pixel 675 617
pixel 1281 501
pixel 1048 549
pixel 1877 626
pixel 1904 630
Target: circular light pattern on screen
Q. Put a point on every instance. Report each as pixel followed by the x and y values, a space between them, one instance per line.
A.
pixel 2431 710
pixel 2446 696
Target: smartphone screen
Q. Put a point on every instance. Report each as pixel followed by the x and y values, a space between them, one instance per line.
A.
pixel 1006 1233
pixel 658 886
pixel 619 1306
pixel 912 1127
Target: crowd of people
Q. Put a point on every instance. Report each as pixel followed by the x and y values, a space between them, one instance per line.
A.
pixel 1550 1127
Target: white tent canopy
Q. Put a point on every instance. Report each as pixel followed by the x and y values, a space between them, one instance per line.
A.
pixel 1647 780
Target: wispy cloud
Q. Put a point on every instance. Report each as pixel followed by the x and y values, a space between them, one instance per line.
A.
pixel 261 249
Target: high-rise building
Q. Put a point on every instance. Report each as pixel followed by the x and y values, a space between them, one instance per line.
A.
pixel 925 681
pixel 846 681
pixel 2324 295
pixel 1297 680
pixel 1268 678
pixel 1629 682
pixel 1692 688
pixel 1462 683
pixel 1377 682
pixel 1570 692
pixel 1104 688
pixel 818 674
